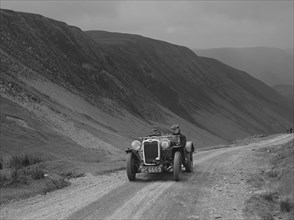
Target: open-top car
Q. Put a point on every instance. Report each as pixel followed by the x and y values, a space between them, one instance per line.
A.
pixel 158 154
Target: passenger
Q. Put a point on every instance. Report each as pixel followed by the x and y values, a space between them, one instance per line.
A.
pixel 155 132
pixel 176 131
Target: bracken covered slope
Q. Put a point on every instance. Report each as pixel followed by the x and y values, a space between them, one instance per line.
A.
pixel 100 90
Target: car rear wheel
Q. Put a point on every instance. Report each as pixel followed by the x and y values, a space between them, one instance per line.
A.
pixel 177 165
pixel 189 164
pixel 131 173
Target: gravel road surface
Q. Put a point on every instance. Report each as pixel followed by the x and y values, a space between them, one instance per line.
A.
pixel 216 189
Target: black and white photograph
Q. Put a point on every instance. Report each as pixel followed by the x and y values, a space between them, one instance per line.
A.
pixel 146 109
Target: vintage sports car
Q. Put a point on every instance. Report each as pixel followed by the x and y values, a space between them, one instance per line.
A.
pixel 158 154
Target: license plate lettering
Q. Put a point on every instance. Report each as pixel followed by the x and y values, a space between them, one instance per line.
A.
pixel 151 169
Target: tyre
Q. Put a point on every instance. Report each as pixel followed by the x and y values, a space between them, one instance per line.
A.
pixel 131 173
pixel 189 165
pixel 177 165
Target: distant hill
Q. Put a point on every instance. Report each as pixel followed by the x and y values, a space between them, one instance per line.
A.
pixel 286 90
pixel 85 95
pixel 272 66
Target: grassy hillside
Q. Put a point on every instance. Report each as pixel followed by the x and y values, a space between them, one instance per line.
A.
pixel 274 197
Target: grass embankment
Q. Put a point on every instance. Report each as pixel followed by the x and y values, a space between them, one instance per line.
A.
pixel 275 197
pixel 27 174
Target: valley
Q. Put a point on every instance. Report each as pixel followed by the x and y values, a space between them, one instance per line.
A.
pixel 74 100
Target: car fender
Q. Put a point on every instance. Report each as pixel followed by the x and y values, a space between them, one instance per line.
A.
pixel 189 148
pixel 135 153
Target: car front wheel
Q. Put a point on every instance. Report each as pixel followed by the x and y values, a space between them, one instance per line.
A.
pixel 131 173
pixel 177 165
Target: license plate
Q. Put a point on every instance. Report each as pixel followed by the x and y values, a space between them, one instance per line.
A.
pixel 155 169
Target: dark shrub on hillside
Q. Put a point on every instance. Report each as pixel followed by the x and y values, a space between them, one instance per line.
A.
pixel 20 169
pixel 286 205
pixel 55 183
pixel 260 207
pixel 16 178
pixel 24 160
pixel 1 163
pixel 71 174
pixel 35 172
pixel 271 197
pixel 3 178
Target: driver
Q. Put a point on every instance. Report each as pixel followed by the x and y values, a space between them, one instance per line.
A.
pixel 176 131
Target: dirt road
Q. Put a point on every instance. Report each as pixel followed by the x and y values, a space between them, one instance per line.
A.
pixel 216 189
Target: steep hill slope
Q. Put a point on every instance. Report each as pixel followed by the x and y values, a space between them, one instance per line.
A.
pixel 213 94
pixel 97 90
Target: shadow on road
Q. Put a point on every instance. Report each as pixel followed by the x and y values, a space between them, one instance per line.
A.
pixel 161 177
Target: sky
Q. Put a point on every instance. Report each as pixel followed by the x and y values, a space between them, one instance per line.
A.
pixel 195 24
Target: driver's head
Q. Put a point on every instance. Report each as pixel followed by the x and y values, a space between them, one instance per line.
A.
pixel 176 129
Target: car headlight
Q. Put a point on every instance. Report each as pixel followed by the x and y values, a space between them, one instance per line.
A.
pixel 165 143
pixel 136 145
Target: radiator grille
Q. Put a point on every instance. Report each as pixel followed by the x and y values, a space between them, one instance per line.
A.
pixel 150 151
